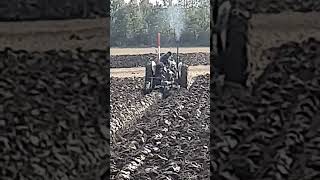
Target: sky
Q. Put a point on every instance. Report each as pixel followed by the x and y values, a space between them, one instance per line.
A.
pixel 154 1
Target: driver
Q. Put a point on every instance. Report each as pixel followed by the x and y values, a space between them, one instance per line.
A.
pixel 165 59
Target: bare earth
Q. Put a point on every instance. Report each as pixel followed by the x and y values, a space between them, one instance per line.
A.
pixel 139 71
pixel 55 34
pixel 133 51
pixel 273 30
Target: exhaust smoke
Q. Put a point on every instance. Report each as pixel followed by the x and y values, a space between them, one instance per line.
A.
pixel 176 19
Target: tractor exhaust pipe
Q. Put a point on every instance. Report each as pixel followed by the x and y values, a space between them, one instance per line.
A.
pixel 177 53
pixel 158 42
pixel 177 44
pixel 177 59
pixel 178 50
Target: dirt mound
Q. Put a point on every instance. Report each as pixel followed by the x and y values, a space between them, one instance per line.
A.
pixel 46 10
pixel 126 61
pixel 52 120
pixel 128 103
pixel 273 132
pixel 169 141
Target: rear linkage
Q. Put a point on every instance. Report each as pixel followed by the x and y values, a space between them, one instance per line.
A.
pixel 156 78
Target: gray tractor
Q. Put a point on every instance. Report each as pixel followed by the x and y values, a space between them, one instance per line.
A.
pixel 165 77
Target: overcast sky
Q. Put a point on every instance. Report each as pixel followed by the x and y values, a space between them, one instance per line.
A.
pixel 153 1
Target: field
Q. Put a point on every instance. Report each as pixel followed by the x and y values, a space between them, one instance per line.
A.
pixel 60 131
pixel 52 120
pixel 270 132
pixel 59 34
pixel 156 138
pixel 53 115
pixel 134 51
pixel 273 131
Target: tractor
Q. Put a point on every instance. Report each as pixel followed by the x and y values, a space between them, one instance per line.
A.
pixel 165 77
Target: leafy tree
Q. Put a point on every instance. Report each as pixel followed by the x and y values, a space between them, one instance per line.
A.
pixel 137 23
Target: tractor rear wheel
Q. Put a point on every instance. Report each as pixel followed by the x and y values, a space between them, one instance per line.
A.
pixel 148 81
pixel 184 76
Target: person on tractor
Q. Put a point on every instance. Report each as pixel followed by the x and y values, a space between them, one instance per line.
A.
pixel 168 64
pixel 166 58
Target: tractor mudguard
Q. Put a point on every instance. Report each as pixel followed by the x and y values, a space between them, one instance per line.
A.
pixel 222 22
pixel 153 65
pixel 179 69
pixel 235 54
pixel 148 83
pixel 231 30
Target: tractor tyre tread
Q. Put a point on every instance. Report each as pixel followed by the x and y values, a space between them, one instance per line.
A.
pixel 184 76
pixel 147 78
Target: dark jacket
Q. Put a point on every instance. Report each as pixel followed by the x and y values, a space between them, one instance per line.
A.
pixel 165 59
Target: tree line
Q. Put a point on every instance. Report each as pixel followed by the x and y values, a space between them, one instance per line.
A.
pixel 136 23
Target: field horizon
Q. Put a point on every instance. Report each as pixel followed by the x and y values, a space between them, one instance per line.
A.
pixel 133 51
